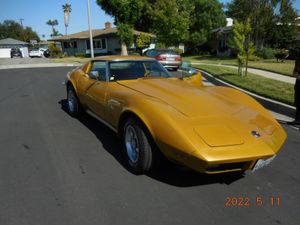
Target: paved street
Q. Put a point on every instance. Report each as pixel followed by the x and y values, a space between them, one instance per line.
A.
pixel 56 170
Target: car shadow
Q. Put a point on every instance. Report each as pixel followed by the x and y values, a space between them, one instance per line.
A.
pixel 168 172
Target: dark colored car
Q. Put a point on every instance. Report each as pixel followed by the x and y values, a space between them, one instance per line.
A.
pixel 167 57
pixel 47 53
pixel 15 52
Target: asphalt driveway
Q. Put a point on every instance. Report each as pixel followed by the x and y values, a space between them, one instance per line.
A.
pixel 58 170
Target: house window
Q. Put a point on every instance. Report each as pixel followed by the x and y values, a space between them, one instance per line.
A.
pixel 97 43
pixel 104 43
pixel 70 44
pixel 66 45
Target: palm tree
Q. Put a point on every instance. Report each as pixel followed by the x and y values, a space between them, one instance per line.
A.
pixel 67 10
pixel 53 23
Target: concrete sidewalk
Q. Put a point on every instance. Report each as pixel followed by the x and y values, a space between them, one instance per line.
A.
pixel 263 73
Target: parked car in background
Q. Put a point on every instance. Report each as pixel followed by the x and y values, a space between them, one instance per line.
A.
pixel 47 53
pixel 15 52
pixel 167 57
pixel 37 52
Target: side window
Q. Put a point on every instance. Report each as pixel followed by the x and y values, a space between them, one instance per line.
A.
pixel 98 70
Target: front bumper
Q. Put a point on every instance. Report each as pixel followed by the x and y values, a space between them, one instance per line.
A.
pixel 213 168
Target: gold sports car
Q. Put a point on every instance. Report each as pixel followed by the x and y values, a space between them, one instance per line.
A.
pixel 208 129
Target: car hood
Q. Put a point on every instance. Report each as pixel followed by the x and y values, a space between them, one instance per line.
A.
pixel 190 101
pixel 212 111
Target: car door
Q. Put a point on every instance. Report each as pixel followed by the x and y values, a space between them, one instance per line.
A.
pixel 84 82
pixel 96 93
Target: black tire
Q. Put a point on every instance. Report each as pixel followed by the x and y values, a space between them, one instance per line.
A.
pixel 148 156
pixel 73 105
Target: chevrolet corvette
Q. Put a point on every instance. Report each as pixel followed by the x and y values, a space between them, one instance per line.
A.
pixel 208 129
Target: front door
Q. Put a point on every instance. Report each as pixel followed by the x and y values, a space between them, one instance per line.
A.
pixel 96 93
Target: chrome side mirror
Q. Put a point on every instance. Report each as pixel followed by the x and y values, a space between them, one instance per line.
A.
pixel 94 74
pixel 191 71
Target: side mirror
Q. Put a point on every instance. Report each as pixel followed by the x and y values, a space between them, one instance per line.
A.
pixel 192 71
pixel 94 75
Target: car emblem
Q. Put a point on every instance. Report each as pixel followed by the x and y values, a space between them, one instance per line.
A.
pixel 255 134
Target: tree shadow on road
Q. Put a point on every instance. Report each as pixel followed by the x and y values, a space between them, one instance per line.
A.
pixel 168 172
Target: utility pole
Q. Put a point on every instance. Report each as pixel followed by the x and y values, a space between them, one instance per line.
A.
pixel 91 35
pixel 21 22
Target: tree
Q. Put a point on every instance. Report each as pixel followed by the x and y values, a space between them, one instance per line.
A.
pixel 285 25
pixel 205 16
pixel 270 20
pixel 142 41
pixel 126 13
pixel 241 42
pixel 176 21
pixel 53 23
pixel 67 10
pixel 12 29
pixel 260 12
pixel 169 20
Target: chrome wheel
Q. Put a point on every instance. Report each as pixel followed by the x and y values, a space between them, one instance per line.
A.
pixel 132 144
pixel 72 101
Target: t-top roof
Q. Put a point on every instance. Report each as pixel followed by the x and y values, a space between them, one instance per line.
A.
pixel 121 58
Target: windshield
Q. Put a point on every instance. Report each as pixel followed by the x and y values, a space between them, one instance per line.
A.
pixel 129 70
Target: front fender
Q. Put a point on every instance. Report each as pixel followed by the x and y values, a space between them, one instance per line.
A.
pixel 163 123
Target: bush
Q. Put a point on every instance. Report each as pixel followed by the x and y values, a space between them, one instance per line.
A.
pixel 281 54
pixel 254 58
pixel 179 51
pixel 266 53
pixel 55 52
pixel 80 55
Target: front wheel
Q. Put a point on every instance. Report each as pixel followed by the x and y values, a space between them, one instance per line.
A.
pixel 141 153
pixel 73 104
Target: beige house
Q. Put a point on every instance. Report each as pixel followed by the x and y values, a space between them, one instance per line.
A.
pixel 105 41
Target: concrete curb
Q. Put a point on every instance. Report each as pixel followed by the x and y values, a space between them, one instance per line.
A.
pixel 38 65
pixel 270 104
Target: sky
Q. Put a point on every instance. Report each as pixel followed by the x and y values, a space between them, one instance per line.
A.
pixel 35 14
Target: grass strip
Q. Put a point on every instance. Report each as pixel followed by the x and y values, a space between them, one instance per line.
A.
pixel 271 65
pixel 273 89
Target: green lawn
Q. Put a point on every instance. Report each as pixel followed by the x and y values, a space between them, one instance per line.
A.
pixel 285 68
pixel 277 90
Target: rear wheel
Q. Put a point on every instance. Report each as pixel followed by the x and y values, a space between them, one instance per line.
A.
pixel 73 104
pixel 142 155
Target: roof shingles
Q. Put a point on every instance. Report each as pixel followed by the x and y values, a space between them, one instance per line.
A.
pixel 95 33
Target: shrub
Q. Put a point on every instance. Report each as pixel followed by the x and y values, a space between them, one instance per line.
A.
pixel 266 53
pixel 179 51
pixel 55 52
pixel 80 55
pixel 281 54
